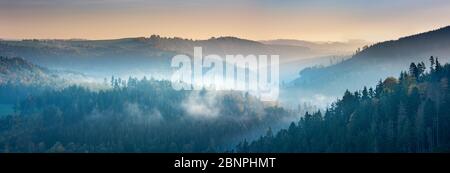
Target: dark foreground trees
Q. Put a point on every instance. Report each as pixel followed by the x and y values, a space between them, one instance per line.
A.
pixel 409 114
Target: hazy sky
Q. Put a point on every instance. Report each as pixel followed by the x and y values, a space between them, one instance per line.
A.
pixel 326 20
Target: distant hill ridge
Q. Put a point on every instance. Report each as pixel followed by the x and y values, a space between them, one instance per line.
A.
pixel 140 55
pixel 436 40
pixel 376 62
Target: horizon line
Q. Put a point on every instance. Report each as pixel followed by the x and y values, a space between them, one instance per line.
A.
pixel 183 38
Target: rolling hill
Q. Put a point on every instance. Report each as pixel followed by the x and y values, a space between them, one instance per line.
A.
pixel 139 56
pixel 19 71
pixel 332 48
pixel 378 61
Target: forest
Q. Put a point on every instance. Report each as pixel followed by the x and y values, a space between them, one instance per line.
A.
pixel 405 114
pixel 133 115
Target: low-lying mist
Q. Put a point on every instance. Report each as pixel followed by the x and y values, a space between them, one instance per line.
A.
pixel 137 116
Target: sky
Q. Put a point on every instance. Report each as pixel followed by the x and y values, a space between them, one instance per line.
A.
pixel 315 20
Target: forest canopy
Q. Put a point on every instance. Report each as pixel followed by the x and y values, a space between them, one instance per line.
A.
pixel 408 114
pixel 131 116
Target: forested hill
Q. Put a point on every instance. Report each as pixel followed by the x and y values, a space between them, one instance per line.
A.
pixel 136 56
pixel 408 114
pixel 17 70
pixel 133 115
pixel 376 62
